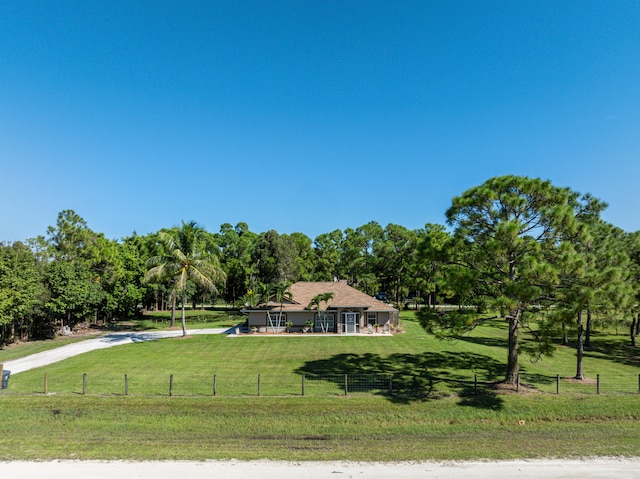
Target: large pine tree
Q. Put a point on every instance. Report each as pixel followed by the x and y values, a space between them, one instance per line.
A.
pixel 506 228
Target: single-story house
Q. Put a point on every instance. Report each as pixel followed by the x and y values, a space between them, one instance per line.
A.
pixel 348 311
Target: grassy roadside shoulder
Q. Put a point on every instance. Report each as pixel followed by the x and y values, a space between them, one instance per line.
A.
pixel 363 428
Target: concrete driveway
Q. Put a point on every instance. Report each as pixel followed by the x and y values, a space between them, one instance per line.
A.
pixel 107 341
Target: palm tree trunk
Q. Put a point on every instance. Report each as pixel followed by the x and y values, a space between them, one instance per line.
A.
pixel 184 321
pixel 173 310
pixel 279 319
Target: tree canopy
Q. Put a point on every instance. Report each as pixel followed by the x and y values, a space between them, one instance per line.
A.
pixel 185 259
pixel 510 231
pixel 514 249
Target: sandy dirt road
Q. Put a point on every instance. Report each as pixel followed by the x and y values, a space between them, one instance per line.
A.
pixel 535 469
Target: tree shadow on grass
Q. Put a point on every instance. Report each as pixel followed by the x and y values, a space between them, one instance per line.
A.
pixel 417 377
pixel 489 342
pixel 615 350
pixel 618 350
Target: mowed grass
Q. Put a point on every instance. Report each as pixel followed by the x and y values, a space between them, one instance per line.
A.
pixel 327 428
pixel 432 413
pixel 420 365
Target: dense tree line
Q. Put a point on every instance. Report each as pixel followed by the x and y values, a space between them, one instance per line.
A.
pixel 520 249
pixel 74 275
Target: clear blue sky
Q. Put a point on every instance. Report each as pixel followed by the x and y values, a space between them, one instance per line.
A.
pixel 308 115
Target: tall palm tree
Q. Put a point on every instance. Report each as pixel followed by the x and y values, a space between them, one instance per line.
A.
pixel 186 259
pixel 281 293
pixel 264 296
pixel 317 301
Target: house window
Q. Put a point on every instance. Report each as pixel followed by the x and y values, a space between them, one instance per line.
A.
pixel 277 320
pixel 325 322
pixel 372 318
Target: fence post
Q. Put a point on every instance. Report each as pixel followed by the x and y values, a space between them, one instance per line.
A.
pixel 84 383
pixel 598 384
pixel 518 382
pixel 475 384
pixel 215 384
pixel 46 383
pixel 346 385
pixel 557 384
pixel 259 385
pixel 390 384
pixel 171 385
pixel 303 384
pixel 126 385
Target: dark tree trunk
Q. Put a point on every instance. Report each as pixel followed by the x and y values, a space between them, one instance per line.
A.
pixel 433 296
pixel 632 331
pixel 565 337
pixel 580 348
pixel 512 358
pixel 587 337
pixel 23 331
pixel 513 367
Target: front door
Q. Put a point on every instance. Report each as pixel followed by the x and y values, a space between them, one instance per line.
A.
pixel 350 321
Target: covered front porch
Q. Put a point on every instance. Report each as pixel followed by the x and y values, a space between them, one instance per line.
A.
pixel 348 321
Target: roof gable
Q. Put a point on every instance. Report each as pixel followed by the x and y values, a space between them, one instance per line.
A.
pixel 344 296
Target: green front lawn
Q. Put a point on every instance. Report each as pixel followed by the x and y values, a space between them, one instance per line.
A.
pixel 421 366
pixel 432 414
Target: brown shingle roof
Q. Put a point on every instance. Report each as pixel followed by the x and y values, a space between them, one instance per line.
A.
pixel 344 296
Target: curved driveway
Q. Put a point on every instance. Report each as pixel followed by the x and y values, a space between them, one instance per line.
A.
pixel 107 341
